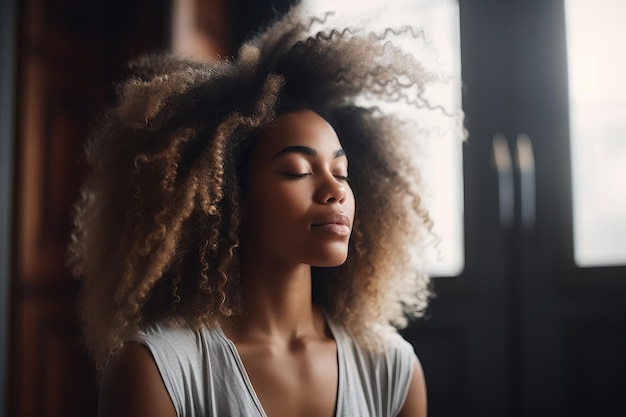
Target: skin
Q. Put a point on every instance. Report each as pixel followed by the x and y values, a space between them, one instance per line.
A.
pixel 298 183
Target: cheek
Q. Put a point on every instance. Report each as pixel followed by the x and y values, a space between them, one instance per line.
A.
pixel 286 204
pixel 277 207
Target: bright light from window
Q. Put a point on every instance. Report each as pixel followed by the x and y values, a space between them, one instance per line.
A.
pixel 597 87
pixel 440 154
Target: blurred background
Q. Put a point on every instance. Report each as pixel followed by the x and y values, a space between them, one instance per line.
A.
pixel 530 314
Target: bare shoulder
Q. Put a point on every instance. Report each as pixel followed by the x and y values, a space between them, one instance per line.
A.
pixel 415 404
pixel 132 386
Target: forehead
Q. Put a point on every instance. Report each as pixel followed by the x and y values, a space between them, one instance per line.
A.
pixel 301 128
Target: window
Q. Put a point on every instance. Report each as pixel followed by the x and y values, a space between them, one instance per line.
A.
pixel 597 98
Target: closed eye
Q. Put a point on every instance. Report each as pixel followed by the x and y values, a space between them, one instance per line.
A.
pixel 342 178
pixel 296 174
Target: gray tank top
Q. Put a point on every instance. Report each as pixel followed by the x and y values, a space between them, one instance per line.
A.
pixel 205 376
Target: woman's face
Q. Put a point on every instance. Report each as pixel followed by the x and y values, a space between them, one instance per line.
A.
pixel 299 206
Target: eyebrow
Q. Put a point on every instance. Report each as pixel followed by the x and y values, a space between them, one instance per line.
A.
pixel 306 151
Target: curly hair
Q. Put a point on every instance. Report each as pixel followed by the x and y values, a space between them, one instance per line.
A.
pixel 156 231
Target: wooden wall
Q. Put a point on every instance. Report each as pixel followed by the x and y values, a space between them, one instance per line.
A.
pixel 69 54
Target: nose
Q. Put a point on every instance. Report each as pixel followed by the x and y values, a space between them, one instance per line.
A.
pixel 331 191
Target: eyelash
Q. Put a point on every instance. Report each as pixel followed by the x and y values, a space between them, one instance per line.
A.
pixel 295 175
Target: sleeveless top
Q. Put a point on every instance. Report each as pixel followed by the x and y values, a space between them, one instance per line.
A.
pixel 205 377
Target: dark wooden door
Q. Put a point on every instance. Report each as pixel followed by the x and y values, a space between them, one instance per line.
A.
pixel 572 318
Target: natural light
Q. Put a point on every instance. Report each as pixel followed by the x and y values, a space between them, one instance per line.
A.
pixel 597 89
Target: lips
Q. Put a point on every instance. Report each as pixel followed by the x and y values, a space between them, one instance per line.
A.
pixel 337 223
pixel 333 218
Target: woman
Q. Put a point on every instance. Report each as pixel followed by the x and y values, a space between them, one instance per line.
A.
pixel 230 266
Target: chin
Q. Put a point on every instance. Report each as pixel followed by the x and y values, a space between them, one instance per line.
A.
pixel 330 260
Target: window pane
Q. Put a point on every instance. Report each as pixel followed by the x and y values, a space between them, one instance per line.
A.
pixel 440 153
pixel 597 88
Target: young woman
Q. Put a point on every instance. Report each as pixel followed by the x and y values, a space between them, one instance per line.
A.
pixel 231 265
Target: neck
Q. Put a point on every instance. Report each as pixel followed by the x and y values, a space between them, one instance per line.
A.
pixel 277 303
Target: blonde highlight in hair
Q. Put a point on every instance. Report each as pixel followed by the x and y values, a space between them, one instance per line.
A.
pixel 156 232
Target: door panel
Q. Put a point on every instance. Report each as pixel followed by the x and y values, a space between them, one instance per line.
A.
pixel 573 318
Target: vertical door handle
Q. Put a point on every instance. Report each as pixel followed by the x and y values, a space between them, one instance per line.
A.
pixel 506 185
pixel 525 162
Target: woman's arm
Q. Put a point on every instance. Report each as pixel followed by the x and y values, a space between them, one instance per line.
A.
pixel 415 404
pixel 132 386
